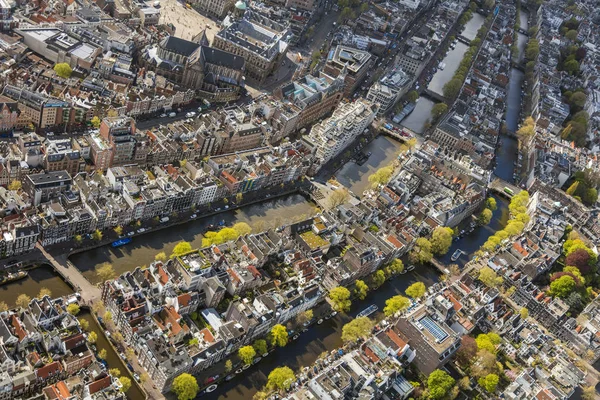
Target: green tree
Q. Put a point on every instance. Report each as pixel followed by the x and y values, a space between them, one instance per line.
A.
pixel 571 35
pixel 485 217
pixel 396 266
pixel 441 240
pixel 23 301
pixel 15 185
pixel 105 272
pixel 118 230
pixel 63 70
pixel 281 378
pixel 489 277
pixel 340 299
pixel 524 313
pixel 78 239
pixel 162 256
pixel 44 292
pixel 377 279
pixel 185 387
pixel 562 287
pixel 338 197
pixel 95 122
pixel 488 342
pixel 572 67
pixel 381 176
pixel 305 316
pixel 83 324
pixel 102 354
pixel 421 251
pixel 279 335
pixel 260 346
pixel 395 304
pixel 73 309
pixel 228 366
pixel 438 110
pixel 416 290
pixel 242 228
pixel 92 337
pixel 490 203
pixel 489 382
pixel 452 88
pixel 247 354
pixel 412 96
pixel 97 235
pixel 125 383
pixel 357 328
pixel 439 384
pixel 361 289
pixel 346 14
pixel 181 248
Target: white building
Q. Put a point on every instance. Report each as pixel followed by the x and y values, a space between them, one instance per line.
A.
pixel 387 91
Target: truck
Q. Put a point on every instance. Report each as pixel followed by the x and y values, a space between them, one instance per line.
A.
pixel 164 219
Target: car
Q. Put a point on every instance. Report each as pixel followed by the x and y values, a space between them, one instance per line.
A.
pixel 193 216
pixel 163 115
pixel 136 377
pixel 130 233
pixel 172 114
pixel 226 207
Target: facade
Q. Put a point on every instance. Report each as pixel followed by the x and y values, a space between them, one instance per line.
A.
pixel 350 63
pixel 388 90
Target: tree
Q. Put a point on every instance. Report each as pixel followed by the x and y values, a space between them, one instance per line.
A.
pixel 281 378
pixel 578 99
pixel 485 217
pixel 107 317
pixel 181 248
pixel 239 197
pixel 524 313
pixel 377 279
pixel 346 14
pixel 396 266
pixel 588 393
pixel 340 299
pixel 44 292
pixel 488 341
pixel 581 259
pixel 228 366
pixel 105 272
pixel 130 353
pixel 247 354
pixel 571 35
pixel 95 122
pixel 467 351
pixel 489 382
pixel 490 203
pixel 23 301
pixel 395 304
pixel 92 337
pixel 416 290
pixel 305 316
pixel 63 70
pixel 381 176
pixel 279 335
pixel 162 256
pixel 412 96
pixel 97 235
pixel 118 230
pixel 260 346
pixel 439 384
pixel 242 228
pixel 562 286
pixel 357 328
pixel 338 197
pixel 438 110
pixel 185 387
pixel 441 240
pixel 527 129
pixel 73 308
pixel 421 251
pixel 571 66
pixel 84 324
pixel 78 239
pixel 489 277
pixel 361 289
pixel 125 383
pixel 116 372
pixel 452 88
pixel 102 354
pixel 15 185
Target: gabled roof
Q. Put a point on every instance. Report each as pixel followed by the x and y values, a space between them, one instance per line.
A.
pixel 179 46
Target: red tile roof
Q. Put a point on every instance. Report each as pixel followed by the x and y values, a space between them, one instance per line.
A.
pixel 49 370
pixel 100 384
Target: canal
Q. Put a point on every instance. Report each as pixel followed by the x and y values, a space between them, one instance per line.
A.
pixel 319 338
pixel 40 277
pixel 142 249
pixel 420 116
pixel 384 151
pixel 472 27
pixel 451 61
pixel 112 358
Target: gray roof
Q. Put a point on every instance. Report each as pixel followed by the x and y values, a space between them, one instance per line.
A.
pixel 179 46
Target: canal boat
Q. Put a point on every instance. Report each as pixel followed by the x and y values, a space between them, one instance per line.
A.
pixel 404 113
pixel 333 314
pixel 410 268
pixel 368 311
pixel 121 242
pixel 14 276
pixel 320 321
pixel 456 255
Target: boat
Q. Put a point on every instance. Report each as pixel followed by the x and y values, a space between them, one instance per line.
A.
pixel 441 66
pixel 404 113
pixel 121 242
pixel 456 255
pixel 403 272
pixel 410 268
pixel 320 321
pixel 14 276
pixel 333 314
pixel 368 311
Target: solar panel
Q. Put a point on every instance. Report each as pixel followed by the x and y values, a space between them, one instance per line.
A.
pixel 434 329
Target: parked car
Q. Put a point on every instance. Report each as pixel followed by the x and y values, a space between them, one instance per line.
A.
pixel 172 114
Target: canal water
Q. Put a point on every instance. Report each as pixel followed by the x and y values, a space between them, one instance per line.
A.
pixel 112 358
pixel 319 338
pixel 142 249
pixel 43 276
pixel 384 151
pixel 421 114
pixel 472 27
pixel 452 61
